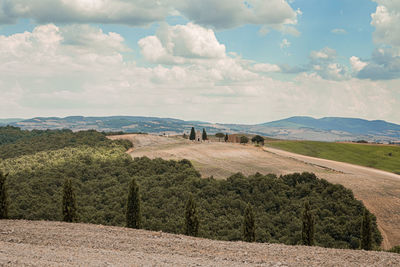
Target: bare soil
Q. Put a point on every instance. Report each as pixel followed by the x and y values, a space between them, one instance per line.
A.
pixel 379 190
pixel 41 243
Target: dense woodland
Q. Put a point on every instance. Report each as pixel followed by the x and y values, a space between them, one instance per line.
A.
pixel 101 173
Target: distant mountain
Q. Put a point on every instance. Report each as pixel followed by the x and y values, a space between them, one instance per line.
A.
pixel 8 121
pixel 346 125
pixel 308 128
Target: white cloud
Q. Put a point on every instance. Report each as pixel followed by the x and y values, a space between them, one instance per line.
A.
pixel 385 60
pixel 386 21
pixel 339 31
pixel 273 14
pixel 285 44
pixel 323 63
pixel 181 44
pixel 323 54
pixel 356 64
pixel 233 13
pixel 265 67
pixel 51 71
pixel 135 13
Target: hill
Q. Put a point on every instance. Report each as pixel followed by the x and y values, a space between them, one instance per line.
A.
pixel 41 243
pixel 378 190
pixel 384 157
pixel 302 128
pixel 346 125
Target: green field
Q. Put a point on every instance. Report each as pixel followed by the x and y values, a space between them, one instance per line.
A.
pixel 382 157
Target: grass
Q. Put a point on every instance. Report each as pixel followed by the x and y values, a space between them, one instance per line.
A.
pixel 383 157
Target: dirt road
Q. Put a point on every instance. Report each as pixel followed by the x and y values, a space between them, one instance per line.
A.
pixel 41 243
pixel 379 190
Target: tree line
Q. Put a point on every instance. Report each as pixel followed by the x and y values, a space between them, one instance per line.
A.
pixel 133 215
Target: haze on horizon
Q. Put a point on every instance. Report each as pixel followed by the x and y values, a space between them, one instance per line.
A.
pixel 226 61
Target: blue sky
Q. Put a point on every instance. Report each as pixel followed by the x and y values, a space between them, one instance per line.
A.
pixel 220 61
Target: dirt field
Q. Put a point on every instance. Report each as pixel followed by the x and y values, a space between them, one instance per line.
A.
pixel 379 190
pixel 40 243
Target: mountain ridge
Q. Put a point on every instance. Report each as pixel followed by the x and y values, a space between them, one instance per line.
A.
pixel 296 127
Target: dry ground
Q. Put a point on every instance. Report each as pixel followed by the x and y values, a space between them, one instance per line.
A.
pixel 40 243
pixel 379 190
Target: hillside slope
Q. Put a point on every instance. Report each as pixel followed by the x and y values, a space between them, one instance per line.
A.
pixel 379 191
pixel 41 243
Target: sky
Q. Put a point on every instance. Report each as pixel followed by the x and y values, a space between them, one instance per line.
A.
pixel 227 61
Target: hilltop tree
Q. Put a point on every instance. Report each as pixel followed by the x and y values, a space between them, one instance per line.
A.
pixel 68 202
pixel 226 137
pixel 307 233
pixel 258 139
pixel 192 135
pixel 204 135
pixel 244 139
pixel 248 227
pixel 184 136
pixel 133 211
pixel 220 135
pixel 366 231
pixel 191 218
pixel 3 197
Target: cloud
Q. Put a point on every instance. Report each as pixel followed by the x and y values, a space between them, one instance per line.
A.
pixel 356 64
pixel 285 44
pixel 384 65
pixel 386 21
pixel 57 70
pixel 181 44
pixel 323 54
pixel 275 14
pixel 222 14
pixel 323 63
pixel 339 31
pixel 135 13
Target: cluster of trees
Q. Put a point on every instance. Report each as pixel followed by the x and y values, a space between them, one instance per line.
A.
pixel 192 135
pixel 110 188
pixel 15 142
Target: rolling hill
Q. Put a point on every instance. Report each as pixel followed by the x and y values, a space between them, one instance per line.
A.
pixel 298 128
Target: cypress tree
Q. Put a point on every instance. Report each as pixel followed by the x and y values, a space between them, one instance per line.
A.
pixel 204 135
pixel 307 233
pixel 192 134
pixel 68 202
pixel 191 219
pixel 133 211
pixel 226 138
pixel 248 228
pixel 366 231
pixel 3 197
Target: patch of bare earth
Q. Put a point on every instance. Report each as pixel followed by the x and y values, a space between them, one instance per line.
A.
pixel 379 190
pixel 41 243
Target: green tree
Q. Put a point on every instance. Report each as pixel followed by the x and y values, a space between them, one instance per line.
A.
pixel 68 202
pixel 184 136
pixel 248 227
pixel 3 197
pixel 191 218
pixel 244 139
pixel 307 233
pixel 192 134
pixel 226 138
pixel 133 211
pixel 258 139
pixel 366 231
pixel 220 135
pixel 204 135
